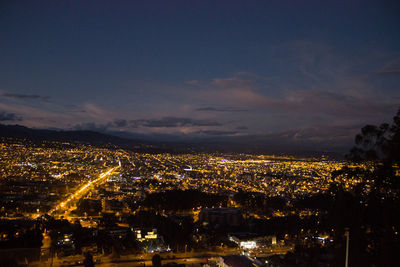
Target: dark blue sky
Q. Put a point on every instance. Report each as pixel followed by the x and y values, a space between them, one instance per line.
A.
pixel 303 70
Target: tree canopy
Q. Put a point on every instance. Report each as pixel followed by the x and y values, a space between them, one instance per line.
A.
pixel 380 145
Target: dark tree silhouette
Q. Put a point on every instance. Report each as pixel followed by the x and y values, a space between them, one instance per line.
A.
pixel 380 145
pixel 371 213
pixel 378 216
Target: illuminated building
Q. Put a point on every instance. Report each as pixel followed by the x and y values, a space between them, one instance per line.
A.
pixel 150 241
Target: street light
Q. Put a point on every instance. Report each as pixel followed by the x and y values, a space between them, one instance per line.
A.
pixel 347 234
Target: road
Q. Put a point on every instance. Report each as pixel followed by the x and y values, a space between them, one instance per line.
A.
pixel 128 260
pixel 144 259
pixel 65 207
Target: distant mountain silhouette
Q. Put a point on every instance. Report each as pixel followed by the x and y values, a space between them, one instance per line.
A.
pixel 22 132
pixel 84 136
pixel 259 144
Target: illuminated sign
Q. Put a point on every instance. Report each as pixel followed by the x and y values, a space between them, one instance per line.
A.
pixel 248 244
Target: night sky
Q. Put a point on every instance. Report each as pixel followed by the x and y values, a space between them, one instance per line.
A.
pixel 312 71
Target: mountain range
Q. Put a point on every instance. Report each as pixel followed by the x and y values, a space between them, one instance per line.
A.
pixel 260 144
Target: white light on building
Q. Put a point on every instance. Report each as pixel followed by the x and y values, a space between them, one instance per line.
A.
pixel 248 244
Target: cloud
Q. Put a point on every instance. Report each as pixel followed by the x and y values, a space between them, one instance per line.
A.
pixel 231 91
pixel 319 134
pixel 317 80
pixel 98 114
pixel 216 132
pixel 120 123
pixel 101 127
pixel 26 96
pixel 391 68
pixel 39 117
pixel 169 122
pixel 390 72
pixel 5 116
pixel 90 126
pixel 242 128
pixel 234 83
pixel 352 98
pixel 94 111
pixel 222 109
pixel 337 105
pixel 166 122
pixel 195 82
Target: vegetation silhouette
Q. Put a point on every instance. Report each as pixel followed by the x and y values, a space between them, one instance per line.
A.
pixel 370 209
